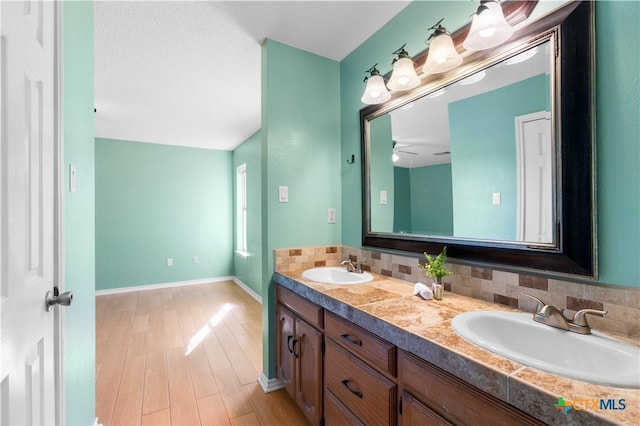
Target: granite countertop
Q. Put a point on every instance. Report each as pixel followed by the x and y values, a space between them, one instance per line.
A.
pixel 387 307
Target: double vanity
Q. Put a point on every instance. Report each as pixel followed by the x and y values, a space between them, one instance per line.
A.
pixel 364 350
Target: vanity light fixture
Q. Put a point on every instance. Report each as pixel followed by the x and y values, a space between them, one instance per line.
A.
pixel 442 55
pixel 404 75
pixel 489 27
pixel 375 92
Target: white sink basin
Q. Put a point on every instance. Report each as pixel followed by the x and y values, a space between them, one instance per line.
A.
pixel 335 275
pixel 594 358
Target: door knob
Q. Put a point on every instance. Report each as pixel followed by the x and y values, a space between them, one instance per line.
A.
pixel 53 298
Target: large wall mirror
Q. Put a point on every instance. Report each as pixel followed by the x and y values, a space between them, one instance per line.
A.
pixel 493 159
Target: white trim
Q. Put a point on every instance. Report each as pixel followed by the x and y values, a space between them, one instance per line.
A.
pixel 161 285
pixel 269 385
pixel 59 275
pixel 248 290
pixel 97 422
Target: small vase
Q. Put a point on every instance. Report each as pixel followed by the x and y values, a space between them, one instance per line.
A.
pixel 436 287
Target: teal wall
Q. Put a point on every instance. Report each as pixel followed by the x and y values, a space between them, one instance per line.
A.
pixel 300 149
pixel 159 201
pixel 617 112
pixel 483 157
pixel 618 136
pixel 431 200
pixel 401 200
pixel 381 149
pixel 79 229
pixel 249 270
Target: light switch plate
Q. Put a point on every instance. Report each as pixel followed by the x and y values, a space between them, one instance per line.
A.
pixel 496 199
pixel 283 194
pixel 72 178
pixel 169 261
pixel 383 197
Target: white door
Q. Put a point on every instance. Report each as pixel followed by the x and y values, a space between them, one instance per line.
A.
pixel 534 153
pixel 28 252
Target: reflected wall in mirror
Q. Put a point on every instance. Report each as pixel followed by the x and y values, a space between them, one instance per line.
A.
pixel 472 160
pixel 493 159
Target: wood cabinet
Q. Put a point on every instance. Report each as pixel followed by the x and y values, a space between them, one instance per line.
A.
pixel 299 352
pixel 341 374
pixel 375 351
pixel 362 390
pixel 431 396
pixel 359 375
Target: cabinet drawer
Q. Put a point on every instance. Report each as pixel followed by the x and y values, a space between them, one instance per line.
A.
pixel 303 308
pixel 378 352
pixel 365 392
pixel 454 399
pixel 337 414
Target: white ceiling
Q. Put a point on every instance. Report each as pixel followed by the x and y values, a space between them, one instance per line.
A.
pixel 188 72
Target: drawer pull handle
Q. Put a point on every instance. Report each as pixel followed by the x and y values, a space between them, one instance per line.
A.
pixel 357 393
pixel 346 338
pixel 289 344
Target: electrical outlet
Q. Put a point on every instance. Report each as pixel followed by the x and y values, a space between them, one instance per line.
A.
pixel 331 215
pixel 496 198
pixel 195 260
pixel 169 261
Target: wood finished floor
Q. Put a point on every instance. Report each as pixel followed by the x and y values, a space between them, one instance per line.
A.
pixel 184 356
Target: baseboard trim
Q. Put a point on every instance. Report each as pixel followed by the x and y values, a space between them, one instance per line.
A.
pixel 248 289
pixel 162 285
pixel 269 385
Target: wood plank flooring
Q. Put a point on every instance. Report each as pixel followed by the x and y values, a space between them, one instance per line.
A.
pixel 184 356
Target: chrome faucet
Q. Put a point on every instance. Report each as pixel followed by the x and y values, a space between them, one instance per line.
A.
pixel 554 317
pixel 579 322
pixel 548 314
pixel 351 267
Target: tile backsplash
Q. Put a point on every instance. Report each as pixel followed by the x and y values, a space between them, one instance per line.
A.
pixel 622 304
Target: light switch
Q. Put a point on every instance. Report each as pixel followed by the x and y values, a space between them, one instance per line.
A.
pixel 383 197
pixel 283 194
pixel 496 198
pixel 331 215
pixel 169 261
pixel 72 178
pixel 195 260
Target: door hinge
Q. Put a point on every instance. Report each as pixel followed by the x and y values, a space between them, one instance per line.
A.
pixel 322 347
pixel 400 408
pixel 322 421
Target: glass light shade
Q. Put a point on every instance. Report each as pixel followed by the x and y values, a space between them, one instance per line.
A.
pixel 376 92
pixel 442 55
pixel 489 28
pixel 404 76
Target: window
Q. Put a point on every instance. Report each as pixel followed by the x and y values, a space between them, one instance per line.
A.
pixel 241 211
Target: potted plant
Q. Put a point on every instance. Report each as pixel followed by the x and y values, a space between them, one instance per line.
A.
pixel 434 266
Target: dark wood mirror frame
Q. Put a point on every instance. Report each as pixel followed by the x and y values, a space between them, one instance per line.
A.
pixel 575 249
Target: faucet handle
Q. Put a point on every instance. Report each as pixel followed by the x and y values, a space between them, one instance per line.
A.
pixel 580 317
pixel 541 304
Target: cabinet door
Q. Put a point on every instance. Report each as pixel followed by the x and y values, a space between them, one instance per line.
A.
pixel 285 339
pixel 308 351
pixel 415 413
